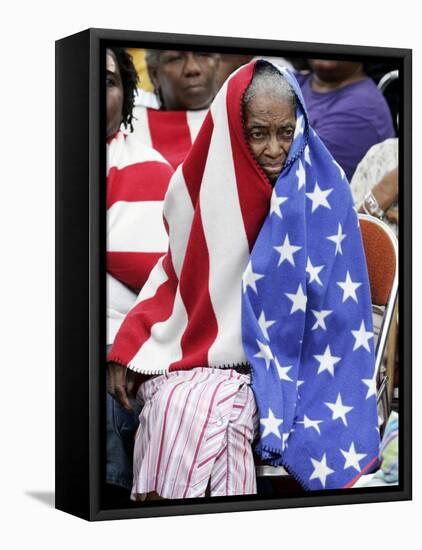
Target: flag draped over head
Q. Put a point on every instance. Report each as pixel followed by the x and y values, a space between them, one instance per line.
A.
pixel 188 314
pixel 307 325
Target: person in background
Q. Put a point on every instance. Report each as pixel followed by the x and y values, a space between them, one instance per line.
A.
pixel 375 185
pixel 231 62
pixel 346 109
pixel 137 180
pixel 185 84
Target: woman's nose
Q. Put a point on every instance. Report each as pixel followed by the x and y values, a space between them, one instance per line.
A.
pixel 192 66
pixel 274 148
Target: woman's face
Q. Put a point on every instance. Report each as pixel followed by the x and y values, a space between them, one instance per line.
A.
pixel 114 89
pixel 270 125
pixel 187 80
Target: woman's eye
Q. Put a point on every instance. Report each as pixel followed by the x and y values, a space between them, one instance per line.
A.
pixel 256 134
pixel 174 58
pixel 287 133
pixel 109 82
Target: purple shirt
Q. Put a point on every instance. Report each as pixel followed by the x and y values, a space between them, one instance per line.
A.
pixel 349 120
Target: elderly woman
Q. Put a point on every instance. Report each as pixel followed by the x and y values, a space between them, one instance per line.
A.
pixel 185 84
pixel 255 327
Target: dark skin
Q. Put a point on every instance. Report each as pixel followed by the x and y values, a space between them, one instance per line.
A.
pixel 185 80
pixel 386 191
pixel 228 64
pixel 270 125
pixel 329 75
pixel 114 88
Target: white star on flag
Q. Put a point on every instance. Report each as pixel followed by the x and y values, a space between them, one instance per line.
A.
pixel 349 288
pixel 265 353
pixel 301 176
pixel 352 458
pixel 372 386
pixel 320 316
pixel 319 197
pixel 338 239
pixel 340 169
pixel 282 371
pixel 313 271
pixel 276 202
pixel 327 361
pixel 284 443
pixel 321 470
pixel 271 425
pixel 307 155
pixel 362 337
pixel 299 127
pixel 264 324
pixel 250 278
pixel 308 423
pixel 286 251
pixel 339 410
pixel 299 300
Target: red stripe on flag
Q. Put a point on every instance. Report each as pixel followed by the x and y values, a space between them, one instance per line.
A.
pixel 254 198
pixel 136 328
pixel 202 327
pixel 193 168
pixel 360 474
pixel 170 134
pixel 143 181
pixel 132 268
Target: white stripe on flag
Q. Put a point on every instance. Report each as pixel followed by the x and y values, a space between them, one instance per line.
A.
pixel 195 120
pixel 147 217
pixel 226 239
pixel 141 126
pixel 156 278
pixel 178 211
pixel 153 354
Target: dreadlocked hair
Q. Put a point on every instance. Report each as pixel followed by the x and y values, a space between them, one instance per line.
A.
pixel 130 82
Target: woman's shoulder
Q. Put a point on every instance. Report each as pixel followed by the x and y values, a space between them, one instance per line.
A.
pixel 131 149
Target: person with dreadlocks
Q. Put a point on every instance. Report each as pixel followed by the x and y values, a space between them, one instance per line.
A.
pixel 185 83
pixel 137 180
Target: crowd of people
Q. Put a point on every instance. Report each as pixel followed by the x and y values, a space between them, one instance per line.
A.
pixel 238 304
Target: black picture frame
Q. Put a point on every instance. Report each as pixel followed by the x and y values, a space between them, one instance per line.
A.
pixel 80 270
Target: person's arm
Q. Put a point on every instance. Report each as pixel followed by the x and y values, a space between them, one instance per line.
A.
pixel 385 192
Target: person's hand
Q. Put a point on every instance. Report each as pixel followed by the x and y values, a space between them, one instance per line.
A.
pixel 386 191
pixel 392 215
pixel 121 384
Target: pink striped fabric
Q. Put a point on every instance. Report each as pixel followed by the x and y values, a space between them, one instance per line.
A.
pixel 189 312
pixel 196 429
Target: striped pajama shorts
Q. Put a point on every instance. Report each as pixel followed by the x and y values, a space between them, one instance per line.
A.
pixel 195 431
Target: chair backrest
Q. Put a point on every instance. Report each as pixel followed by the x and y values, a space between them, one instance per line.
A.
pixel 387 79
pixel 380 245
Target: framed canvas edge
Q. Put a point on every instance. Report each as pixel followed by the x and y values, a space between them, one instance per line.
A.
pixel 98 38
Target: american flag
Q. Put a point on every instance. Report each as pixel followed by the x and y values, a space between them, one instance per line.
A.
pixel 188 313
pixel 307 325
pixel 169 132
